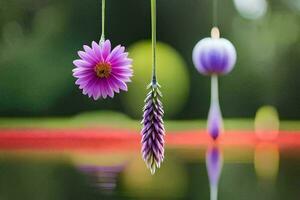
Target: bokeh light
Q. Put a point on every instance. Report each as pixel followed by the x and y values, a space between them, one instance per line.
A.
pixel 172 76
pixel 293 4
pixel 267 123
pixel 266 161
pixel 251 9
pixel 138 180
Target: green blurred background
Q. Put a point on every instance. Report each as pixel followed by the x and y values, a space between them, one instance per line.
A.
pixel 39 40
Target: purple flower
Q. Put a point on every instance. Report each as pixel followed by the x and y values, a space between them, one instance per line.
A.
pixel 214 56
pixel 215 121
pixel 102 71
pixel 153 131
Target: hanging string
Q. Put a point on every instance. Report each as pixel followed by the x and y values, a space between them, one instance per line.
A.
pixel 215 13
pixel 215 33
pixel 153 24
pixel 103 22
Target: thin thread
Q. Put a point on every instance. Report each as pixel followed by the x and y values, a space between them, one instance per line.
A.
pixel 215 13
pixel 103 22
pixel 153 23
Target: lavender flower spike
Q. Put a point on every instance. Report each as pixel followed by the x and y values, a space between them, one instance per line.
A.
pixel 153 131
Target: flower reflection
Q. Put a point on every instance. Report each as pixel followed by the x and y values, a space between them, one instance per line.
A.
pixel 103 177
pixel 214 164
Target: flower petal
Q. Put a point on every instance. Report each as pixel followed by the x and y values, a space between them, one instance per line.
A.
pixel 106 48
pixel 114 53
pixel 113 85
pixel 120 83
pixel 97 50
pixel 111 89
pixel 119 58
pixel 103 89
pixel 123 62
pixel 107 87
pixel 85 56
pixel 82 63
pixel 96 90
pixel 90 52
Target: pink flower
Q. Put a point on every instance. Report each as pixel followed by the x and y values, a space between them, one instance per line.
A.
pixel 101 71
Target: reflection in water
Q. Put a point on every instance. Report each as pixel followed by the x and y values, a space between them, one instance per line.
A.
pixel 214 164
pixel 103 177
pixel 266 156
pixel 266 161
pixel 170 182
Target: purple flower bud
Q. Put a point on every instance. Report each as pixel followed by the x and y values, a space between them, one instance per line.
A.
pixel 215 121
pixel 214 56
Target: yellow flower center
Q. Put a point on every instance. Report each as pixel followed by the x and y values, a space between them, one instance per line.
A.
pixel 103 70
